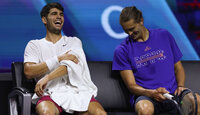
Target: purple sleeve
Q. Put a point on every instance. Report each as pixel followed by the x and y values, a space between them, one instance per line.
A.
pixel 121 60
pixel 175 50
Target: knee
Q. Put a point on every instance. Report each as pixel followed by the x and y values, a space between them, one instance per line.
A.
pixel 198 101
pixel 100 112
pixel 145 111
pixel 144 108
pixel 44 111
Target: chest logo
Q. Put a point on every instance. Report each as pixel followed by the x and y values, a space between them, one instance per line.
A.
pixel 149 58
pixel 147 48
pixel 64 45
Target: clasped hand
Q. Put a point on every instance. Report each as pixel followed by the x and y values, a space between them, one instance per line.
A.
pixel 67 56
pixel 158 94
pixel 179 90
pixel 40 86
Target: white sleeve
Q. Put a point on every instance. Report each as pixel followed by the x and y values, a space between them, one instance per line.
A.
pixel 77 43
pixel 77 46
pixel 31 53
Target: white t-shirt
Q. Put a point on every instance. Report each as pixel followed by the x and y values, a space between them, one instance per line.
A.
pixel 68 96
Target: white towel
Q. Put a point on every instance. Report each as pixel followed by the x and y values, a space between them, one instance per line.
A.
pixel 79 78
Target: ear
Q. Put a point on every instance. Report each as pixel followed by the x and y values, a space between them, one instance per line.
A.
pixel 44 20
pixel 142 21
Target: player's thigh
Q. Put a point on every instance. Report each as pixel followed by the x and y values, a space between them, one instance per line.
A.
pixel 94 108
pixel 198 101
pixel 47 107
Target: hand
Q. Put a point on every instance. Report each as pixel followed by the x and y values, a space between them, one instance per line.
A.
pixel 41 84
pixel 179 90
pixel 157 94
pixel 67 56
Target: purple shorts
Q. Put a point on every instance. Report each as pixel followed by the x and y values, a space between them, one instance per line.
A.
pixel 48 98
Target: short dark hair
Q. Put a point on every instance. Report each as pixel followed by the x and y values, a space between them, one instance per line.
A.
pixel 45 10
pixel 129 13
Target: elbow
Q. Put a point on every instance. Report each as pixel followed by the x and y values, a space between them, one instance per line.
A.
pixel 28 73
pixel 29 77
pixel 132 87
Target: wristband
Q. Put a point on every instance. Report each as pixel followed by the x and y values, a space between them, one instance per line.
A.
pixel 52 62
pixel 180 86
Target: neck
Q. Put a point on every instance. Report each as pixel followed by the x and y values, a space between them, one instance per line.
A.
pixel 51 37
pixel 145 35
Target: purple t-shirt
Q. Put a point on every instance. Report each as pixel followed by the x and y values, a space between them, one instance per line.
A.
pixel 152 61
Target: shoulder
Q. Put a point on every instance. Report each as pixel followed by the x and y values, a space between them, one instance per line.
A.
pixel 33 46
pixel 35 42
pixel 74 41
pixel 123 47
pixel 158 31
pixel 160 34
pixel 72 38
pixel 165 34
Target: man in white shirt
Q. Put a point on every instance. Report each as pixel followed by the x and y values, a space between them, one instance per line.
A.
pixel 59 66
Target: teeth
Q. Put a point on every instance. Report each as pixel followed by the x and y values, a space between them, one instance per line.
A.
pixel 58 22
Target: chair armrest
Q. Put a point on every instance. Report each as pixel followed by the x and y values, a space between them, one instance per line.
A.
pixel 21 89
pixel 26 101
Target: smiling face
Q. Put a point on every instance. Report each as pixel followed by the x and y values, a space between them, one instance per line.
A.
pixel 133 29
pixel 54 21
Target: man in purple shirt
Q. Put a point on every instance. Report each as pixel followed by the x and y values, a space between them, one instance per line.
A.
pixel 149 64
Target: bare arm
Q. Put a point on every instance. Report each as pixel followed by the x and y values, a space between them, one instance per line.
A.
pixel 32 70
pixel 60 71
pixel 180 76
pixel 129 80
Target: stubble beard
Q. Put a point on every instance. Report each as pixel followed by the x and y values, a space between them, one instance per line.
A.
pixel 53 30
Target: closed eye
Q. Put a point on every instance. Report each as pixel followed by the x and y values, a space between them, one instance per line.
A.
pixel 129 30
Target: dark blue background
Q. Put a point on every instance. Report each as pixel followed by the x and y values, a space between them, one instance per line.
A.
pixel 20 22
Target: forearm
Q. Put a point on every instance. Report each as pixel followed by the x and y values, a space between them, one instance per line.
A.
pixel 129 80
pixel 58 72
pixel 138 90
pixel 41 84
pixel 180 77
pixel 180 74
pixel 32 70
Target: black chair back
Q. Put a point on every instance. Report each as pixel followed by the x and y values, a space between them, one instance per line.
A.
pixel 112 92
pixel 19 79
